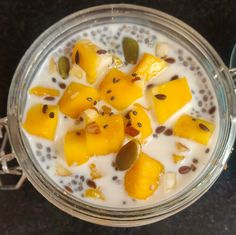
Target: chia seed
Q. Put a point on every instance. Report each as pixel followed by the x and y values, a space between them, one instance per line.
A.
pixel 114 178
pixel 82 178
pixel 54 79
pixel 39 145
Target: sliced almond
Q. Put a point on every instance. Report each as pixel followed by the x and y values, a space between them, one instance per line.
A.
pixel 91 115
pixel 62 171
pixel 76 71
pixel 93 128
pixel 52 67
pixel 169 181
pixel 162 49
pixel 181 147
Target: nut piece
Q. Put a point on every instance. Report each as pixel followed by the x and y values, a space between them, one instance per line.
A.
pixel 90 115
pixel 162 49
pixel 94 193
pixel 76 71
pixel 169 181
pixel 52 67
pixel 116 61
pixel 94 173
pixel 62 171
pixel 181 147
pixel 93 128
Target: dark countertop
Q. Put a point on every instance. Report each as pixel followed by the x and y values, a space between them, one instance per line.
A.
pixel 26 211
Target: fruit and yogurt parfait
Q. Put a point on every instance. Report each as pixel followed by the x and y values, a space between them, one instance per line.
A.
pixel 120 115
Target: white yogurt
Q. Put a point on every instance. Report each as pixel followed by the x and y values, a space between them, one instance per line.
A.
pixel 109 37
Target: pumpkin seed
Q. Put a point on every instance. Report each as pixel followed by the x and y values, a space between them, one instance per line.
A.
pixel 64 66
pixel 127 155
pixel 130 49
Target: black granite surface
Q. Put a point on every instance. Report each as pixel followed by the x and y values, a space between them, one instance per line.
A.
pixel 26 211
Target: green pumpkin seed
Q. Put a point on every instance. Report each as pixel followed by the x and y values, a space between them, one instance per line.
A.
pixel 64 66
pixel 127 155
pixel 131 50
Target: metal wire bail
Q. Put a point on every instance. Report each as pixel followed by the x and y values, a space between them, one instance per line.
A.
pixel 6 159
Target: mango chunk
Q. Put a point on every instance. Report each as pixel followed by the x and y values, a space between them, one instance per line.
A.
pixel 75 148
pixel 170 97
pixel 149 66
pixel 110 137
pixel 195 129
pixel 142 179
pixel 118 90
pixel 140 121
pixel 44 91
pixel 93 60
pixel 41 120
pixel 77 98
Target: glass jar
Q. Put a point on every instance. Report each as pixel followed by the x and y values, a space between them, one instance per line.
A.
pixel 218 74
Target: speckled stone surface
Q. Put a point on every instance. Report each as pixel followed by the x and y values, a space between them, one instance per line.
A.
pixel 26 211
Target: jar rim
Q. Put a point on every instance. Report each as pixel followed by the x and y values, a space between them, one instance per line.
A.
pixel 100 214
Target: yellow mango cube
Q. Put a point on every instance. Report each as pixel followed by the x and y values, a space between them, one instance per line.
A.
pixel 149 66
pixel 77 98
pixel 118 90
pixel 41 120
pixel 110 137
pixel 75 148
pixel 170 97
pixel 44 91
pixel 140 121
pixel 93 60
pixel 142 179
pixel 195 129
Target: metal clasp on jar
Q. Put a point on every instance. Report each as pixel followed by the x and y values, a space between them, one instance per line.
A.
pixel 8 163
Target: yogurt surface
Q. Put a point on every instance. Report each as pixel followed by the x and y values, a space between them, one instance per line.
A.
pixel 159 146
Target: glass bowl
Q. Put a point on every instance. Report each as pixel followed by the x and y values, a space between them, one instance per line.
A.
pixel 218 74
